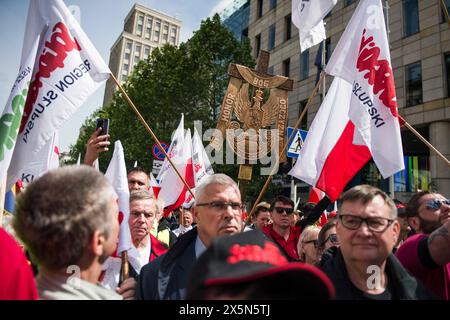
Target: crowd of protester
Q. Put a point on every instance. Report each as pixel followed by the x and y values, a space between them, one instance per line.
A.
pixel 66 225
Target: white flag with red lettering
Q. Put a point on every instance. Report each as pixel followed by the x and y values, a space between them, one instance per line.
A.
pixel 363 59
pixel 117 175
pixel 308 17
pixel 67 70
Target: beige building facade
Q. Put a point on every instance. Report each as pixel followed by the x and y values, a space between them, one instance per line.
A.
pixel 144 30
pixel 420 51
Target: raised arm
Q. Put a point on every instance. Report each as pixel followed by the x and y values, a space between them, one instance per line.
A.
pixel 94 146
pixel 439 244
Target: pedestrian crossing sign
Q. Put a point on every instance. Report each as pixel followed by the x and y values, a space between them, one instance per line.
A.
pixel 296 143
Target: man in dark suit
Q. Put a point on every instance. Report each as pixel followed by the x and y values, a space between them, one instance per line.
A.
pixel 218 212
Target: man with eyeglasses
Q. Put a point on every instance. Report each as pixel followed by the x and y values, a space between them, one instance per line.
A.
pixel 218 212
pixel 363 267
pixel 426 255
pixel 281 231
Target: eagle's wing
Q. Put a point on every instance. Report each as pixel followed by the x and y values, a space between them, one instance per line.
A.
pixel 270 111
pixel 242 103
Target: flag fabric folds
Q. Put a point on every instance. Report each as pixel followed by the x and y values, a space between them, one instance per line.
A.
pixel 117 176
pixel 358 118
pixel 46 159
pixel 329 158
pixel 67 70
pixel 308 17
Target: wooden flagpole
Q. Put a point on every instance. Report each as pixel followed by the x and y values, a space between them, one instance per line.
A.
pixel 124 271
pixel 429 145
pixel 131 104
pixel 297 124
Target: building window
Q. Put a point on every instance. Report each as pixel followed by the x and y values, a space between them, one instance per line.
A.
pixel 259 9
pixel 447 69
pixel 287 27
pixel 146 52
pixel 140 25
pixel 148 28
pixel 126 67
pixel 173 35
pixel 271 43
pixel 257 44
pixel 413 84
pixel 304 65
pixel 445 10
pixel 129 45
pixel 348 2
pixel 286 67
pixel 410 17
pixel 273 4
pixel 304 123
pixel 127 56
pixel 124 78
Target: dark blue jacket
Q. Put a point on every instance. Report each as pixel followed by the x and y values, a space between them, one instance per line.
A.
pixel 405 286
pixel 165 278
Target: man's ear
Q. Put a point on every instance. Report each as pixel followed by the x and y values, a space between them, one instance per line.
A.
pixel 396 230
pixel 414 223
pixel 195 214
pixel 98 243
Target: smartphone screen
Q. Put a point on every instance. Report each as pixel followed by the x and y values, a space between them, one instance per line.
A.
pixel 104 124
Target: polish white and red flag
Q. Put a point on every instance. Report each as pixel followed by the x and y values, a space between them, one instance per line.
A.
pixel 358 118
pixel 66 71
pixel 154 185
pixel 173 191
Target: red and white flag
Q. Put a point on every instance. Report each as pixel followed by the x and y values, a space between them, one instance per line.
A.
pixel 200 160
pixel 308 17
pixel 329 158
pixel 67 70
pixel 173 191
pixel 174 149
pixel 358 118
pixel 363 59
pixel 117 176
pixel 154 185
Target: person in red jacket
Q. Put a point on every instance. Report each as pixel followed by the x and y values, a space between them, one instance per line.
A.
pixel 281 230
pixel 16 277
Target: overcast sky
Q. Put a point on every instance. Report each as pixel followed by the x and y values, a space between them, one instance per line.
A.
pixel 102 20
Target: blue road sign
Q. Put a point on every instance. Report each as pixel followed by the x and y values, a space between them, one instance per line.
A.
pixel 296 143
pixel 157 152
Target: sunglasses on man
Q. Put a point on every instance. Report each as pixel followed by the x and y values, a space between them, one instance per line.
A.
pixel 435 204
pixel 332 238
pixel 280 210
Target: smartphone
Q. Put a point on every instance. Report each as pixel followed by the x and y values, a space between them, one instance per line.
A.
pixel 104 124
